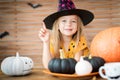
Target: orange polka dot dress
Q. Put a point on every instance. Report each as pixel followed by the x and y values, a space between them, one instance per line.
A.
pixel 82 45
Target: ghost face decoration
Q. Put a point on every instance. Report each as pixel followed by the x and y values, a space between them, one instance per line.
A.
pixel 114 74
pixel 16 65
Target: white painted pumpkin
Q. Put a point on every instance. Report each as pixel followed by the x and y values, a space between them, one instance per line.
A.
pixel 16 65
pixel 83 67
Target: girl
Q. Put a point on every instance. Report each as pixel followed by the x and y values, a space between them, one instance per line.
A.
pixel 66 34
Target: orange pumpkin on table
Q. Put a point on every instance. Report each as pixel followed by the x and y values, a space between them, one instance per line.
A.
pixel 106 44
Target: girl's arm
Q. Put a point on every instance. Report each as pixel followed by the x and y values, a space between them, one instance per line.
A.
pixel 46 54
pixel 44 35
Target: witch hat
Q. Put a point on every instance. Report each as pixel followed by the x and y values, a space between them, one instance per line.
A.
pixel 67 7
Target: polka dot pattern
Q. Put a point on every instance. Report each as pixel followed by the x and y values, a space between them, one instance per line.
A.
pixel 72 49
pixel 66 5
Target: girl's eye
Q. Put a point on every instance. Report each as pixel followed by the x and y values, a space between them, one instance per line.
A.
pixel 74 21
pixel 63 20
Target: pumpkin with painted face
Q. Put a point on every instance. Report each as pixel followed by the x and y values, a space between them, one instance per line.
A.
pixel 16 65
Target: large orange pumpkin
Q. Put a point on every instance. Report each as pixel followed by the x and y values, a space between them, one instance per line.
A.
pixel 106 44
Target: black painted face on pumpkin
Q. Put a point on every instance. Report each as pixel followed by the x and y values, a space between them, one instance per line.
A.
pixel 28 65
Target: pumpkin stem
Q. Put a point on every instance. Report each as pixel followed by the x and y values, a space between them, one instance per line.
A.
pixel 61 54
pixel 81 58
pixel 17 54
pixel 89 57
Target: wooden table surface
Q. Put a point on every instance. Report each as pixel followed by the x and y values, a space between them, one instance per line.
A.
pixel 38 74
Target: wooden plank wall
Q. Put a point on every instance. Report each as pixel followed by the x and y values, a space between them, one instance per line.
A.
pixel 23 23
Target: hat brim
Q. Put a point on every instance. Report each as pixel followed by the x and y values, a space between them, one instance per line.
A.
pixel 85 15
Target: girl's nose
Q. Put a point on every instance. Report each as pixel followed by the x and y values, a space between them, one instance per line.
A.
pixel 68 23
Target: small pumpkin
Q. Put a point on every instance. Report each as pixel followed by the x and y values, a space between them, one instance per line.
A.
pixel 83 67
pixel 106 44
pixel 62 65
pixel 16 65
pixel 96 62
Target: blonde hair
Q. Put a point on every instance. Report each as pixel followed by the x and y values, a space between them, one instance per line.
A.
pixel 57 37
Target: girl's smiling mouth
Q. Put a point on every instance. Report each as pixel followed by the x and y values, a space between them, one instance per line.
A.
pixel 68 29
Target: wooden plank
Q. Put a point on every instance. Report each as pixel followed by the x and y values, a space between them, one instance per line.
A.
pixel 7 1
pixel 41 1
pixel 29 53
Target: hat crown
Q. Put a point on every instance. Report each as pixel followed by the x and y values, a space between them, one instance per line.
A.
pixel 66 5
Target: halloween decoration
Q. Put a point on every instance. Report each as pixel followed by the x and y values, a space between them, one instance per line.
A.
pixel 96 62
pixel 106 44
pixel 67 7
pixel 34 5
pixel 83 67
pixel 4 34
pixel 61 65
pixel 16 66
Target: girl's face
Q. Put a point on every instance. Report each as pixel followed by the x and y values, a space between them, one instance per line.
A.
pixel 68 25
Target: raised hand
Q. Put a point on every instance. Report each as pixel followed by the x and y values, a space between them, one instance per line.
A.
pixel 44 34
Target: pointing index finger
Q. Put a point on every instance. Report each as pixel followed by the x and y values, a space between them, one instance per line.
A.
pixel 44 25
